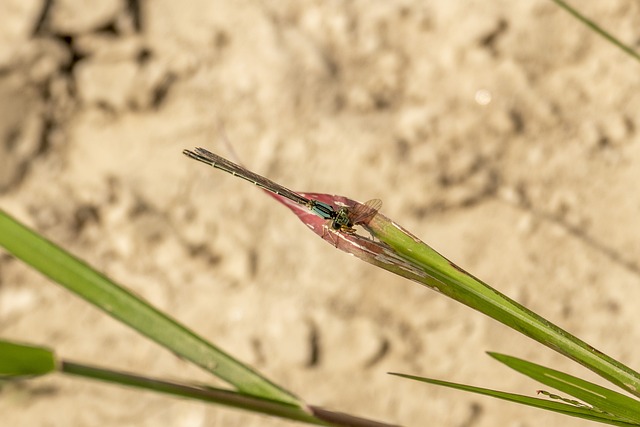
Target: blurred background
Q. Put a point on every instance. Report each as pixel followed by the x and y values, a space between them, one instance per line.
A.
pixel 505 135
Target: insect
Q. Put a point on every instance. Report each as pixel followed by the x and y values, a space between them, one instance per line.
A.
pixel 344 219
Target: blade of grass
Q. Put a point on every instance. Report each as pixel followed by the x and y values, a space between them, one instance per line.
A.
pixel 451 280
pixel 597 396
pixel 203 393
pixel 598 29
pixel 115 300
pixel 20 360
pixel 561 408
pixel 402 253
pixel 308 414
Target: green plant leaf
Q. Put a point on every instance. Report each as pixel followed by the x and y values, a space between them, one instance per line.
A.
pixel 22 360
pixel 402 253
pixel 192 391
pixel 451 280
pixel 561 408
pixel 599 397
pixel 18 361
pixel 118 302
pixel 307 413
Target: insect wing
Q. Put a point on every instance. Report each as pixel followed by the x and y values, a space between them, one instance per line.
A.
pixel 362 213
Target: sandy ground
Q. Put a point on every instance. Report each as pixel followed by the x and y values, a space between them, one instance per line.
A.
pixel 504 134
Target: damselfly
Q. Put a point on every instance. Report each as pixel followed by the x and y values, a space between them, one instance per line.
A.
pixel 343 219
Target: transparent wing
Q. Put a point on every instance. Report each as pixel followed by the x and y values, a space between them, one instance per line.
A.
pixel 362 213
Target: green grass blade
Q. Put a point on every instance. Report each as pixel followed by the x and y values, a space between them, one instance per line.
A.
pixel 308 414
pixel 20 360
pixel 399 252
pixel 451 280
pixel 598 29
pixel 597 396
pixel 113 299
pixel 202 393
pixel 561 408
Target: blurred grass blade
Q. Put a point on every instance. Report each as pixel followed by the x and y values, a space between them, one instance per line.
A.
pixel 599 397
pixel 22 360
pixel 562 408
pixel 123 305
pixel 307 414
pixel 598 29
pixel 202 393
